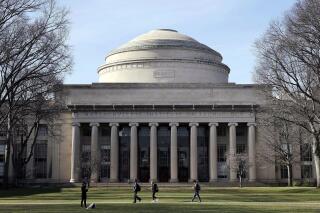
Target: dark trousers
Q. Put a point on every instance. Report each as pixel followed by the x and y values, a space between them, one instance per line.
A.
pixel 136 197
pixel 84 200
pixel 154 196
pixel 196 194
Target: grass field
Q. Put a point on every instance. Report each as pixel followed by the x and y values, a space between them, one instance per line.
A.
pixel 119 199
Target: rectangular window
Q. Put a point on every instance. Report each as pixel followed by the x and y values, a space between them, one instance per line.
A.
pixel 85 153
pixel 3 133
pixel 241 148
pixel 105 154
pixel 16 150
pixel 163 158
pixel 222 149
pixel 2 148
pixel 85 160
pixel 105 161
pixel 306 152
pixel 286 147
pixel 144 158
pixel 40 160
pixel 105 171
pixel 43 130
pixel 284 171
pixel 306 171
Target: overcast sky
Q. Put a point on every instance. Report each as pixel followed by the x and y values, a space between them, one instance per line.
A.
pixel 228 26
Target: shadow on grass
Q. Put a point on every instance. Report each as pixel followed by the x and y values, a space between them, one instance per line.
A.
pixel 22 192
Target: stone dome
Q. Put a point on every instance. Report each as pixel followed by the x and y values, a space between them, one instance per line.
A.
pixel 163 55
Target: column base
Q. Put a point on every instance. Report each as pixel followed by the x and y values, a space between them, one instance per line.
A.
pixel 73 181
pixel 113 181
pixel 153 180
pixel 252 180
pixel 191 180
pixel 131 180
pixel 173 181
pixel 213 180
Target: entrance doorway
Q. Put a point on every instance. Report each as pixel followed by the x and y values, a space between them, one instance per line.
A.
pixel 183 153
pixel 163 153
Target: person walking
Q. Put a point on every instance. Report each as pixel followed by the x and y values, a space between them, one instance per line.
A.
pixel 196 188
pixel 84 191
pixel 154 189
pixel 136 189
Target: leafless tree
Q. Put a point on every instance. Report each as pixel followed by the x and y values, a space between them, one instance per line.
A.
pixel 34 57
pixel 282 138
pixel 240 165
pixel 288 60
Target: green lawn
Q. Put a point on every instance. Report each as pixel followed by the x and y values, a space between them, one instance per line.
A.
pixel 119 199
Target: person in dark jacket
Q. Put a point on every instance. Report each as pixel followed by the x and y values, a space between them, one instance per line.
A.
pixel 84 191
pixel 154 189
pixel 136 189
pixel 196 188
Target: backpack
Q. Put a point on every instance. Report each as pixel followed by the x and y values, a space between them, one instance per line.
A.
pixel 138 188
pixel 156 189
pixel 197 187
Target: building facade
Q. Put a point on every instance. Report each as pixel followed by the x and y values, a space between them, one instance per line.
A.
pixel 163 110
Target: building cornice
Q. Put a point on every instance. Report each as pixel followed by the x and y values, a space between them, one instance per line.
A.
pixel 160 85
pixel 153 107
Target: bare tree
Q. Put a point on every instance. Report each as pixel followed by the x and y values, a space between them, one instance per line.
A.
pixel 26 129
pixel 242 167
pixel 282 138
pixel 34 57
pixel 288 60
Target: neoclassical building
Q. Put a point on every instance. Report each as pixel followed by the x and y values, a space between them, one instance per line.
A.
pixel 163 110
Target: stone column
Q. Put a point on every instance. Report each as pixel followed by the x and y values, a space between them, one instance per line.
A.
pixel 174 153
pixel 232 151
pixel 95 153
pixel 153 152
pixel 213 153
pixel 193 152
pixel 133 151
pixel 75 153
pixel 252 151
pixel 114 153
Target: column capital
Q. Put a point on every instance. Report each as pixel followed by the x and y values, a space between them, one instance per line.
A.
pixel 213 124
pixel 75 124
pixel 251 124
pixel 133 124
pixel 94 124
pixel 193 124
pixel 153 124
pixel 113 124
pixel 233 124
pixel 173 124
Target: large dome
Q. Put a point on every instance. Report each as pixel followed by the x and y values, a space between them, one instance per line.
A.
pixel 163 55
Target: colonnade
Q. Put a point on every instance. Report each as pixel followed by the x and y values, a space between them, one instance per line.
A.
pixel 114 153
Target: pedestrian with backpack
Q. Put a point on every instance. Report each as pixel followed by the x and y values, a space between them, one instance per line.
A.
pixel 136 189
pixel 196 188
pixel 154 189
